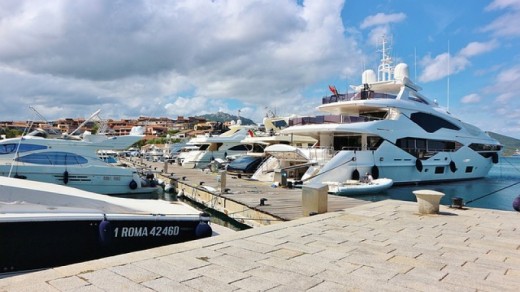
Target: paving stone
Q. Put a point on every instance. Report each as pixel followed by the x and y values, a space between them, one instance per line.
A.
pixel 326 286
pixel 293 266
pixel 166 269
pixel 222 274
pixel 244 253
pixel 185 261
pixel 253 246
pixel 134 273
pixel 284 277
pixel 285 253
pixel 255 284
pixel 234 263
pixel 108 280
pixel 167 285
pixel 68 283
pixel 29 287
pixel 204 283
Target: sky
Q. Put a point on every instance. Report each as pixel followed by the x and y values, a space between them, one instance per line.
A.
pixel 67 59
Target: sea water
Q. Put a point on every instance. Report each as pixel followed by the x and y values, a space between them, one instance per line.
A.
pixel 495 191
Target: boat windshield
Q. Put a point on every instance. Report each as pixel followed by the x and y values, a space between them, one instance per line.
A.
pixel 339 119
pixel 357 96
pixel 15 147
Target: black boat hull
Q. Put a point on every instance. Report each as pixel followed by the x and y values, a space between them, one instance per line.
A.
pixel 48 243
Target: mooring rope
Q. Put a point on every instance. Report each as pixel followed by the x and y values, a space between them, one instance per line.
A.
pixel 493 192
pixel 496 191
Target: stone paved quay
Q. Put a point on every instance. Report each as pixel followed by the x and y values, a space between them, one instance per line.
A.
pixel 382 246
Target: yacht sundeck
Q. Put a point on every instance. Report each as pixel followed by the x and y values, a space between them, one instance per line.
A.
pixel 386 127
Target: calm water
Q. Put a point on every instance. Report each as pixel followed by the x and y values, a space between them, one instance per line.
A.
pixel 496 191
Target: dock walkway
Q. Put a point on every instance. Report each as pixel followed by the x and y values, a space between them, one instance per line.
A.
pixel 242 200
pixel 383 246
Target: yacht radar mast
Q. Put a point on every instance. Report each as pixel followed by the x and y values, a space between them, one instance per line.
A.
pixel 385 70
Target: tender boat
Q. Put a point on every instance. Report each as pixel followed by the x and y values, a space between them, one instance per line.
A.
pixel 45 225
pixel 357 187
pixel 387 128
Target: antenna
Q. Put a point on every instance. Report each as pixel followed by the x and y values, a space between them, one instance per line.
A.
pixel 385 69
pixel 449 73
pixel 415 63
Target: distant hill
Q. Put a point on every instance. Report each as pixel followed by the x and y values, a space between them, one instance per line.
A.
pixel 510 143
pixel 224 117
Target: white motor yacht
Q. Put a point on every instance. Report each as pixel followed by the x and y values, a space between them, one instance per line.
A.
pixel 73 162
pixel 259 163
pixel 224 146
pixel 387 128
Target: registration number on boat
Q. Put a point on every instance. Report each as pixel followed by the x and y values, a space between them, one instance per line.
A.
pixel 143 231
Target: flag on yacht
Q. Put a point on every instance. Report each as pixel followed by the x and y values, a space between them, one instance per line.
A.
pixel 333 89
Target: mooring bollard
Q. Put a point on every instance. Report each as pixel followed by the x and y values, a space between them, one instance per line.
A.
pixel 428 201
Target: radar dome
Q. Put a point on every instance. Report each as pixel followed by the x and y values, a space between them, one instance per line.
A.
pixel 401 71
pixel 368 76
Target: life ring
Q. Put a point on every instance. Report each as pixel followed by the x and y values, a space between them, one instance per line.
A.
pixel 418 165
pixel 355 174
pixel 375 172
pixel 453 167
pixel 133 185
pixel 65 177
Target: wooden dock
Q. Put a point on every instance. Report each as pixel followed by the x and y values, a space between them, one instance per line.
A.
pixel 248 201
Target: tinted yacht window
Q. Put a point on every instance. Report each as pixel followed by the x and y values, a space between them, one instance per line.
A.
pixel 15 147
pixel 53 158
pixel 431 123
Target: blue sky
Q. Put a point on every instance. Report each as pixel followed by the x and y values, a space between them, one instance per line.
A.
pixel 189 57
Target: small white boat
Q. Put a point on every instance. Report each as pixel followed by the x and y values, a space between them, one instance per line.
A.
pixel 356 187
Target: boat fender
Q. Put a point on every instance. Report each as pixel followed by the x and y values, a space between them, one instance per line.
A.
pixel 453 167
pixel 355 174
pixel 203 230
pixel 418 165
pixel 65 177
pixel 516 203
pixel 105 232
pixel 133 185
pixel 495 158
pixel 375 172
pixel 20 176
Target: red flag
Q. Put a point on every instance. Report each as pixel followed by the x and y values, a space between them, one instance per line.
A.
pixel 333 90
pixel 251 133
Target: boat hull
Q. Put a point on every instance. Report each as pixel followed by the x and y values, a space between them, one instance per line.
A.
pixel 357 188
pixel 49 240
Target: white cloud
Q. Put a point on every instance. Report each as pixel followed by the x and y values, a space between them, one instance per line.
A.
pixel 382 19
pixel 133 58
pixel 471 98
pixel 507 24
pixel 501 4
pixel 444 64
pixel 477 48
pixel 380 24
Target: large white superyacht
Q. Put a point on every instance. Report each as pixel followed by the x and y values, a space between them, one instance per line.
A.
pixel 387 128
